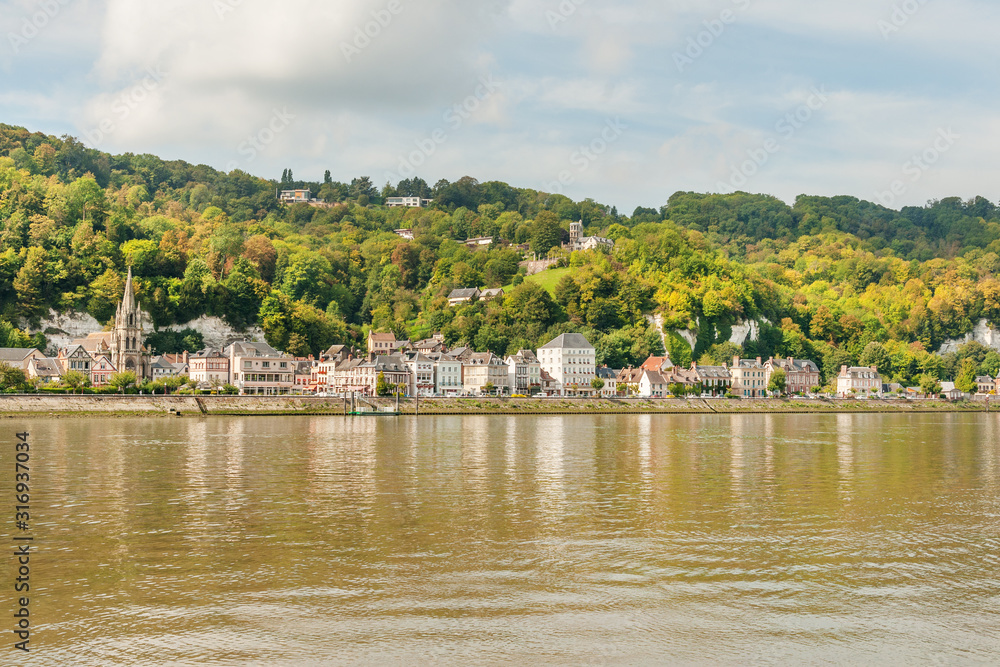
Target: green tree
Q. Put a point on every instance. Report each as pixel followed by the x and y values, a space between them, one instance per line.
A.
pixel 382 387
pixel 75 380
pixel 779 381
pixel 489 388
pixel 30 283
pixel 545 233
pixel 965 380
pixel 930 385
pixel 122 380
pixel 597 384
pixel 12 378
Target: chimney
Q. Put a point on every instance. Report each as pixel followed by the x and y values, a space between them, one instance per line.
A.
pixel 843 370
pixel 758 361
pixel 185 356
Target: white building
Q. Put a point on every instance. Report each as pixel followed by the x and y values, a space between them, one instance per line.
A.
pixel 447 374
pixel 524 373
pixel 296 196
pixel 421 375
pixel 610 377
pixel 481 369
pixel 209 366
pixel 572 361
pixel 257 369
pixel 749 378
pixel 407 202
pixel 577 241
pixel 859 381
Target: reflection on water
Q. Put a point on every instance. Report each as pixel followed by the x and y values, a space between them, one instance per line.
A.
pixel 568 540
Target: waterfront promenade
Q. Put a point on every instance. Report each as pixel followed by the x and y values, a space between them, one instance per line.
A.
pixel 194 406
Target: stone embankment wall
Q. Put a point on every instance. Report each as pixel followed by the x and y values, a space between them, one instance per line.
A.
pixel 306 405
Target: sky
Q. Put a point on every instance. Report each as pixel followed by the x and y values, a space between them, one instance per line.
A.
pixel 624 102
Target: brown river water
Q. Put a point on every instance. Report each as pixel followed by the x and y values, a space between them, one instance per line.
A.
pixel 566 540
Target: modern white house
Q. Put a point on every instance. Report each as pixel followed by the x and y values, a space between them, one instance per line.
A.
pixel 572 361
pixel 407 202
pixel 295 196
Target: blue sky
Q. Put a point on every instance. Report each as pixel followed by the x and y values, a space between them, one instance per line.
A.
pixel 626 102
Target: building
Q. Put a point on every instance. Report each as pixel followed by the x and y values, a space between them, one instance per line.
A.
pixel 610 378
pixel 490 294
pixel 985 385
pixel 714 380
pixel 749 378
pixel 303 376
pixel 577 241
pixel 859 381
pixel 479 242
pixel 43 369
pixel 421 375
pixel 430 345
pixel 408 202
pixel 381 343
pixel 652 384
pixel 524 373
pixel 392 368
pixel 209 368
pixel 18 357
pixel 257 369
pixel 463 295
pixel 801 375
pixel 628 380
pixel 482 369
pixel 447 374
pixel 123 345
pixel 658 364
pixel 680 377
pixel 296 196
pixel 572 361
pixel 161 368
pixel 951 392
pixel 75 358
pixel 101 371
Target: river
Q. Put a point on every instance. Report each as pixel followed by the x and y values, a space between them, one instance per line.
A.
pixel 629 539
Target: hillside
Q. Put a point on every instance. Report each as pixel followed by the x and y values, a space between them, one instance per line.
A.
pixel 837 280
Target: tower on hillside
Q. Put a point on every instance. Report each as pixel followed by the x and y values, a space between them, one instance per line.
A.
pixel 575 234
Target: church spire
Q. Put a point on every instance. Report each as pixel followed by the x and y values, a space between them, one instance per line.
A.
pixel 128 301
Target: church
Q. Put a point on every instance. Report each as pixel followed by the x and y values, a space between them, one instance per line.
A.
pixel 120 349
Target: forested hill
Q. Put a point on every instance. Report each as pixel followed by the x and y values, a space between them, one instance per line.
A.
pixel 837 280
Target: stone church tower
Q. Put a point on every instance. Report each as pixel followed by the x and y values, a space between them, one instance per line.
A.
pixel 127 351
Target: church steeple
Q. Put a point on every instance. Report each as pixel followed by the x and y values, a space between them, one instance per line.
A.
pixel 128 301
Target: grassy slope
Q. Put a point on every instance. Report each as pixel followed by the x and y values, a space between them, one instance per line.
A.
pixel 546 279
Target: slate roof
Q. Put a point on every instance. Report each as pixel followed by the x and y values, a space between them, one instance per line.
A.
pixel 15 354
pixel 468 293
pixel 568 341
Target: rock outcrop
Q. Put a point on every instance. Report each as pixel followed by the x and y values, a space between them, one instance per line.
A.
pixel 61 329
